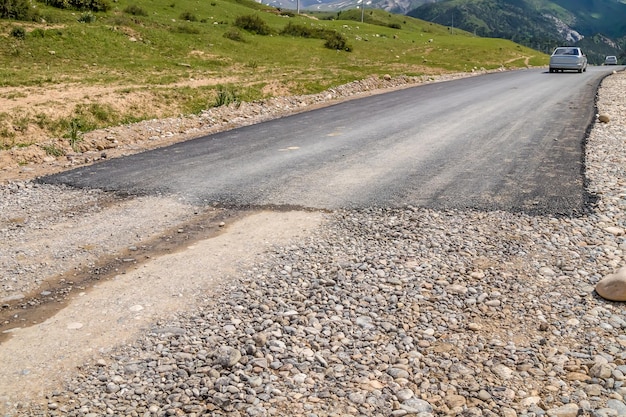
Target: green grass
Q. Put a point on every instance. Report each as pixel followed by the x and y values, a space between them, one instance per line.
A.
pixel 150 46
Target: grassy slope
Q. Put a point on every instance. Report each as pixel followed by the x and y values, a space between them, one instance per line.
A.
pixel 179 66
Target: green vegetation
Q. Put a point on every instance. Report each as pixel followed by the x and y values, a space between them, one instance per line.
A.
pixel 334 39
pixel 253 24
pixel 17 10
pixel 163 58
pixel 226 96
pixel 92 5
pixel 533 23
pixel 53 150
pixel 135 10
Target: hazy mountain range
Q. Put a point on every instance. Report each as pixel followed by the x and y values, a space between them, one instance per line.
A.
pixel 598 26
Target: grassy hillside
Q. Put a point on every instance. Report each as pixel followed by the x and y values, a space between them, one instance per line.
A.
pixel 516 20
pixel 146 59
pixel 526 22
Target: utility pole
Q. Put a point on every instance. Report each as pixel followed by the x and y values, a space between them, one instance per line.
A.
pixel 362 9
pixel 452 31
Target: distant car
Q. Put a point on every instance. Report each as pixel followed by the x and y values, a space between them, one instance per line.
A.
pixel 568 58
pixel 610 60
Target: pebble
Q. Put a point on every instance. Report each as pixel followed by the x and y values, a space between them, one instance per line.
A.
pixel 399 312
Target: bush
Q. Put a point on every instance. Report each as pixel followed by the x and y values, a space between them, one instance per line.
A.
pixel 234 35
pixel 135 10
pixel 87 5
pixel 337 41
pixel 18 32
pixel 187 29
pixel 17 10
pixel 87 18
pixel 302 31
pixel 188 16
pixel 38 33
pixel 254 24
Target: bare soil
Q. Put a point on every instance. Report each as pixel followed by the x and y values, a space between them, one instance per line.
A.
pixel 37 359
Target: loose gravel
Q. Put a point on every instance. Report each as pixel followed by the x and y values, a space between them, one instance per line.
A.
pixel 399 312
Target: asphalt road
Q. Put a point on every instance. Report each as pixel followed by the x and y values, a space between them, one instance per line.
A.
pixel 507 141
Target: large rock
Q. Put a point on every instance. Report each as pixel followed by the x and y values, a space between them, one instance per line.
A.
pixel 613 286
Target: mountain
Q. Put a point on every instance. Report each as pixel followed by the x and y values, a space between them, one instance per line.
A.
pixel 597 26
pixel 392 6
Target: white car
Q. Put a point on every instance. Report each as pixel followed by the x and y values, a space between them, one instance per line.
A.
pixel 610 60
pixel 568 58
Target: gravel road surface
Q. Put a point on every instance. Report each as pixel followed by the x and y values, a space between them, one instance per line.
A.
pixel 400 311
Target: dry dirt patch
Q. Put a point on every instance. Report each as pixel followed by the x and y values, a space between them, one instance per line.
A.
pixel 39 358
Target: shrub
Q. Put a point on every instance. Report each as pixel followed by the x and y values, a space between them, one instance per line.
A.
pixel 38 33
pixel 135 10
pixel 189 30
pixel 17 10
pixel 234 35
pixel 18 32
pixel 254 24
pixel 90 5
pixel 292 29
pixel 87 18
pixel 188 16
pixel 337 41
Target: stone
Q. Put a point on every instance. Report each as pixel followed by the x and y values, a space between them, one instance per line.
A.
pixel 508 412
pixel 416 406
pixel 567 410
pixel 593 390
pixel 604 118
pixel 618 406
pixel 615 231
pixel 404 394
pixel 228 356
pixel 454 401
pixel 613 286
pixel 484 395
pixel 502 371
pixel 577 376
pixel 530 401
pixel 601 370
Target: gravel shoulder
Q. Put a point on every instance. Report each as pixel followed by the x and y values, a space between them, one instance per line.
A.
pixel 371 312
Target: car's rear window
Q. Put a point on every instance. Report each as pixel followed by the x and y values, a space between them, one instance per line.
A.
pixel 565 51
